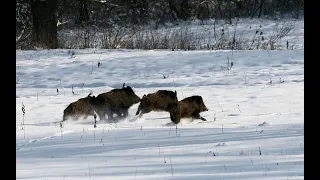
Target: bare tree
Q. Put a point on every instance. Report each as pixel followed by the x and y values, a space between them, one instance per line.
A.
pixel 83 11
pixel 44 29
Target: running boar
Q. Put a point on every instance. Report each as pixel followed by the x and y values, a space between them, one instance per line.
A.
pixel 157 101
pixel 116 101
pixel 81 107
pixel 189 107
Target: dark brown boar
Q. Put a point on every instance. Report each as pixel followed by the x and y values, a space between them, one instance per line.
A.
pixel 190 107
pixel 157 101
pixel 116 101
pixel 81 107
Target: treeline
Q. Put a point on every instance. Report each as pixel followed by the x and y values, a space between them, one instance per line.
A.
pixel 38 21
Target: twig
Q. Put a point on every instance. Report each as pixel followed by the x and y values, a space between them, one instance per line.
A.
pixel 239 108
pixel 135 175
pixel 261 131
pixel 219 104
pixel 92 68
pixel 61 131
pixel 82 87
pixel 23 127
pixel 171 168
pixel 234 37
pixel 62 87
pixel 245 78
pixel 89 172
pixel 19 77
pixel 214 30
pixel 173 82
pixel 176 130
pixel 228 65
pixel 259 151
pixel 159 149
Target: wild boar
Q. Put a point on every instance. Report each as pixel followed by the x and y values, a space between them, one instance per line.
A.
pixel 157 101
pixel 116 101
pixel 81 107
pixel 189 107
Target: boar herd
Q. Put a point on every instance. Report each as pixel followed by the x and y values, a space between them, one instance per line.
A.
pixel 118 101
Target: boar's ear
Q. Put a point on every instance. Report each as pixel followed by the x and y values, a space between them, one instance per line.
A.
pixel 201 100
pixel 92 98
pixel 144 96
pixel 175 93
pixel 123 85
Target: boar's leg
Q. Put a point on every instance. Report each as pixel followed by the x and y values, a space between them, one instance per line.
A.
pixel 119 114
pixel 85 115
pixel 89 113
pixel 109 114
pixel 202 118
pixel 140 115
pixel 197 116
pixel 75 117
pixel 174 118
pixel 143 108
pixel 101 115
pixel 122 112
pixel 125 112
pixel 144 111
pixel 139 109
pixel 64 118
pixel 175 114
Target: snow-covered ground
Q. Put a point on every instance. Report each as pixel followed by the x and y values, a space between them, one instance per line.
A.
pixel 255 127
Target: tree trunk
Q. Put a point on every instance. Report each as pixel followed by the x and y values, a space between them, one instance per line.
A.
pixel 173 9
pixel 83 11
pixel 260 7
pixel 185 10
pixel 44 30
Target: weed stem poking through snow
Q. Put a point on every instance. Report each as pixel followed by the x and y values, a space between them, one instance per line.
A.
pixel 245 78
pixel 89 172
pixel 23 127
pixel 159 149
pixel 171 168
pixel 61 131
pixel 239 108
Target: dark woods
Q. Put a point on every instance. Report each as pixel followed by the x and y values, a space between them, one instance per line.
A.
pixel 39 21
